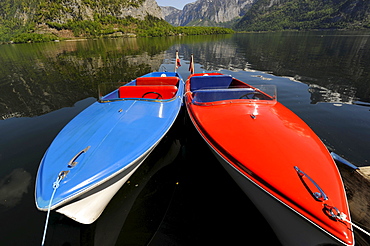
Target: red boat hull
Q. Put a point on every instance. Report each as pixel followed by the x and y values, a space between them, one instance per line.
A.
pixel 278 161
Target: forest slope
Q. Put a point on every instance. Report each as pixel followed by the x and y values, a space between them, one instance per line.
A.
pixel 267 15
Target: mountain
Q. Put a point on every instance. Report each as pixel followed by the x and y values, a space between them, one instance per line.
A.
pixel 207 12
pixel 272 15
pixel 267 15
pixel 61 11
pixel 41 16
pixel 172 15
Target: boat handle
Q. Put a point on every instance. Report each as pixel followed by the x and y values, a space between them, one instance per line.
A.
pixel 73 162
pixel 320 195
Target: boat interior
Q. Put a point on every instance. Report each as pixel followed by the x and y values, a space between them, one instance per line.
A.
pixel 159 88
pixel 218 87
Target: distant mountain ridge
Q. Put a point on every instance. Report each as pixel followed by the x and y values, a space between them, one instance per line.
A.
pixel 207 12
pixel 267 15
pixel 172 15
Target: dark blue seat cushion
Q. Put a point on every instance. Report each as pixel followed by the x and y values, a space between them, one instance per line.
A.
pixel 212 81
pixel 201 96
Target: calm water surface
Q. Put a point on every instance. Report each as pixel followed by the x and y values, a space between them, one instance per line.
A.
pixel 174 198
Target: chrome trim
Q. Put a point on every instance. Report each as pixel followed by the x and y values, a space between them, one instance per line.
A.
pixel 72 162
pixel 320 196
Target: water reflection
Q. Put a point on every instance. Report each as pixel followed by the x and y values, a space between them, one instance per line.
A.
pixel 334 60
pixel 333 94
pixel 13 187
pixel 39 78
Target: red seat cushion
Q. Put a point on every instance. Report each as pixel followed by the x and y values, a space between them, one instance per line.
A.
pixel 149 91
pixel 157 81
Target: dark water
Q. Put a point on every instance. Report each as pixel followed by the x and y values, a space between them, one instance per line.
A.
pixel 180 195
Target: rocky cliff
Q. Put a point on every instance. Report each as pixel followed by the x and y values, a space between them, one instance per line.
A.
pixel 79 10
pixel 207 12
pixel 172 15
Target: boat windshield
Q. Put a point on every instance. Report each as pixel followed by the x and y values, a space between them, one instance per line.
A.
pixel 260 94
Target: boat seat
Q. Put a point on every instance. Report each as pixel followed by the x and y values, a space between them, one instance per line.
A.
pixel 160 74
pixel 148 91
pixel 211 81
pixel 212 95
pixel 157 81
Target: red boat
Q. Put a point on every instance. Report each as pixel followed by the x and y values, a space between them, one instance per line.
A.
pixel 276 159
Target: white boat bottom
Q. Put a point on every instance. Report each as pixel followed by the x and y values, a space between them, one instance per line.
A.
pixel 87 210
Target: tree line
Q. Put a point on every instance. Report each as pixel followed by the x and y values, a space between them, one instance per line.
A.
pixel 108 26
pixel 306 15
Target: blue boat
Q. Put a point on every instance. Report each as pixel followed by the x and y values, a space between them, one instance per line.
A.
pixel 97 151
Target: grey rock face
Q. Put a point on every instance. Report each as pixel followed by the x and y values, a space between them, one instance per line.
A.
pixel 211 11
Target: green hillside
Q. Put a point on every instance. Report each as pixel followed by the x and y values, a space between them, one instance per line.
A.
pixel 306 14
pixel 22 18
pixel 46 20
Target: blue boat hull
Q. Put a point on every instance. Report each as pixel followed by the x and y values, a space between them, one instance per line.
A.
pixel 99 149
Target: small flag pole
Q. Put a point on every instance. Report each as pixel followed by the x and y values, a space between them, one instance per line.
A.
pixel 191 66
pixel 178 64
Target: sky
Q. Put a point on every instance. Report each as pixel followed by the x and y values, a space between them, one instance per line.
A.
pixel 179 4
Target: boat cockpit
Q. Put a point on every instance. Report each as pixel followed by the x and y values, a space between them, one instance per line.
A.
pixel 209 89
pixel 161 86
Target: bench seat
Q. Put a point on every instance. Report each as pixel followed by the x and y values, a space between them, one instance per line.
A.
pixel 148 91
pixel 210 81
pixel 202 96
pixel 157 81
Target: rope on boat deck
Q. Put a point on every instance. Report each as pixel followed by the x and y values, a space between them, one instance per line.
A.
pixel 343 217
pixel 55 187
pixel 336 214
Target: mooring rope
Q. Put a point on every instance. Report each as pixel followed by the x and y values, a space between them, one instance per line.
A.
pixel 55 187
pixel 336 214
pixel 343 217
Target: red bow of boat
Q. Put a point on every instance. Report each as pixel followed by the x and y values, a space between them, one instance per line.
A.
pixel 276 159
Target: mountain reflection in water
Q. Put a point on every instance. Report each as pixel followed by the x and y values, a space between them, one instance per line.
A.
pixel 38 78
pixel 336 60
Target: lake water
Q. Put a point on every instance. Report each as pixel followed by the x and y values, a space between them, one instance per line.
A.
pixel 180 195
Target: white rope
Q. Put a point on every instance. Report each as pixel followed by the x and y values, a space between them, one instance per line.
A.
pixel 343 217
pixel 336 214
pixel 55 187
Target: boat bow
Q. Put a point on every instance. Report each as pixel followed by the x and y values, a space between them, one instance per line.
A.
pixel 261 142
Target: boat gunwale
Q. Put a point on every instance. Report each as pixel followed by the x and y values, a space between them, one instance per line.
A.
pixel 140 99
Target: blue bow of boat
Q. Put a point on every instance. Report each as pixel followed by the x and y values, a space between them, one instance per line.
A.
pixel 103 145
